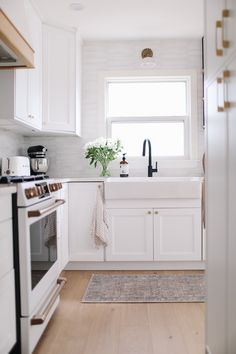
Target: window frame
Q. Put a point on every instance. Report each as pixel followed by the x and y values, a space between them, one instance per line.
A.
pixel 190 120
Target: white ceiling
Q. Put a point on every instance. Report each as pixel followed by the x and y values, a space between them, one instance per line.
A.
pixel 128 19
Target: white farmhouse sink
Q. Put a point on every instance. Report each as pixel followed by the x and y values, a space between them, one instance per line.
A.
pixel 152 187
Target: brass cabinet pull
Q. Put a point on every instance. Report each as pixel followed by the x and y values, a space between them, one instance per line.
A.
pixel 149 212
pixel 225 14
pixel 43 313
pixel 222 81
pixel 219 81
pixel 156 212
pixel 219 51
pixel 226 75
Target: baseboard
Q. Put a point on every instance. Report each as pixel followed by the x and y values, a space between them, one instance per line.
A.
pixel 135 266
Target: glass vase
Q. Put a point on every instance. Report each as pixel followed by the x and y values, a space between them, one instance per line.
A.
pixel 105 172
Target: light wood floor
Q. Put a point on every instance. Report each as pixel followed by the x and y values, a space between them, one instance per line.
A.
pixel 79 328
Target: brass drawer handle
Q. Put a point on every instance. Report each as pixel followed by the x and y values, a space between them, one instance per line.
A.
pixel 156 213
pixel 149 212
pixel 43 313
pixel 39 212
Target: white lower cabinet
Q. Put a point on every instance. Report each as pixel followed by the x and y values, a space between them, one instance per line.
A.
pixel 130 235
pixel 8 312
pixel 7 277
pixel 177 234
pixel 154 234
pixel 142 231
pixel 82 200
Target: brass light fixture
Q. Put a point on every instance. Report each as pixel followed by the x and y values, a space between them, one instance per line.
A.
pixel 147 58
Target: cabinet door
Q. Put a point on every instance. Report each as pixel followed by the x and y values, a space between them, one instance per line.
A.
pixel 8 312
pixel 230 25
pixel 131 235
pixel 177 234
pixel 21 96
pixel 216 222
pixel 28 82
pixel 213 40
pixel 231 311
pixel 59 79
pixel 82 200
pixel 35 74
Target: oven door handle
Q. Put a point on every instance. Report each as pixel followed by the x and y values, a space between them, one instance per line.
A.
pixel 41 317
pixel 39 212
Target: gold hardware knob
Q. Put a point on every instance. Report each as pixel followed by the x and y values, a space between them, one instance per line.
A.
pixel 156 212
pixel 149 212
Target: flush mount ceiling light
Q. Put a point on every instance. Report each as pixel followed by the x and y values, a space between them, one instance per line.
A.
pixel 147 58
pixel 76 6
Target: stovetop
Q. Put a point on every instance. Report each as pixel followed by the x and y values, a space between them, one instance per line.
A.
pixel 21 179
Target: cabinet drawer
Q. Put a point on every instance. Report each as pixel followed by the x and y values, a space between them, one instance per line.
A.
pixel 6 247
pixel 5 207
pixel 8 313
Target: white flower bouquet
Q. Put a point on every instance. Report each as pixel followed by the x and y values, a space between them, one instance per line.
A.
pixel 103 151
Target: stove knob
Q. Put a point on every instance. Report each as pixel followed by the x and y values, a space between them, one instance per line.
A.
pixel 27 193
pixel 39 190
pixel 51 187
pixel 31 193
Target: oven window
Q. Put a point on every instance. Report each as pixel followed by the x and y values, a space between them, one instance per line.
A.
pixel 43 246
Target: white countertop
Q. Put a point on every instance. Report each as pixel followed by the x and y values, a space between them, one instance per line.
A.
pixel 80 179
pixel 7 189
pixel 126 179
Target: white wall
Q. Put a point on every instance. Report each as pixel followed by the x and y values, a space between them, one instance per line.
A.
pixel 66 154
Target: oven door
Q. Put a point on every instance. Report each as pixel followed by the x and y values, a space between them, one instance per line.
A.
pixel 39 227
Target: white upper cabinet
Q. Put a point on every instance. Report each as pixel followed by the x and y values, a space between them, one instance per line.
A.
pixel 220 34
pixel 61 105
pixel 21 89
pixel 28 87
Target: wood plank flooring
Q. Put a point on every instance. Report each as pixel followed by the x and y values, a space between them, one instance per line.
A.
pixel 80 328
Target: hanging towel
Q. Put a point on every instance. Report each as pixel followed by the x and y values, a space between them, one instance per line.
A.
pixel 99 227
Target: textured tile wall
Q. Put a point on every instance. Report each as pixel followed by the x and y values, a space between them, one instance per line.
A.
pixel 11 144
pixel 66 153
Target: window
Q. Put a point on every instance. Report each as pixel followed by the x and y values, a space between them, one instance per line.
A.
pixel 158 108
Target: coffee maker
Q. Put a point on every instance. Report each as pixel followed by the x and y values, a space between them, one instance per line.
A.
pixel 38 161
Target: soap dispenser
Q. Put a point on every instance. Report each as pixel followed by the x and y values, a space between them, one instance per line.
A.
pixel 124 167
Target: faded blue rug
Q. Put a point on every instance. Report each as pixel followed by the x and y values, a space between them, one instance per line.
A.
pixel 145 288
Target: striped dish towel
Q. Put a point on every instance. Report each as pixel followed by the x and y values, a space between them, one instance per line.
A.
pixel 99 226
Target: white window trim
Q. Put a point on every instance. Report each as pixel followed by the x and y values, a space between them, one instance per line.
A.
pixel 191 125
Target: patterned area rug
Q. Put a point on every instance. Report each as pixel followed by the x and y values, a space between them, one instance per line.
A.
pixel 145 288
